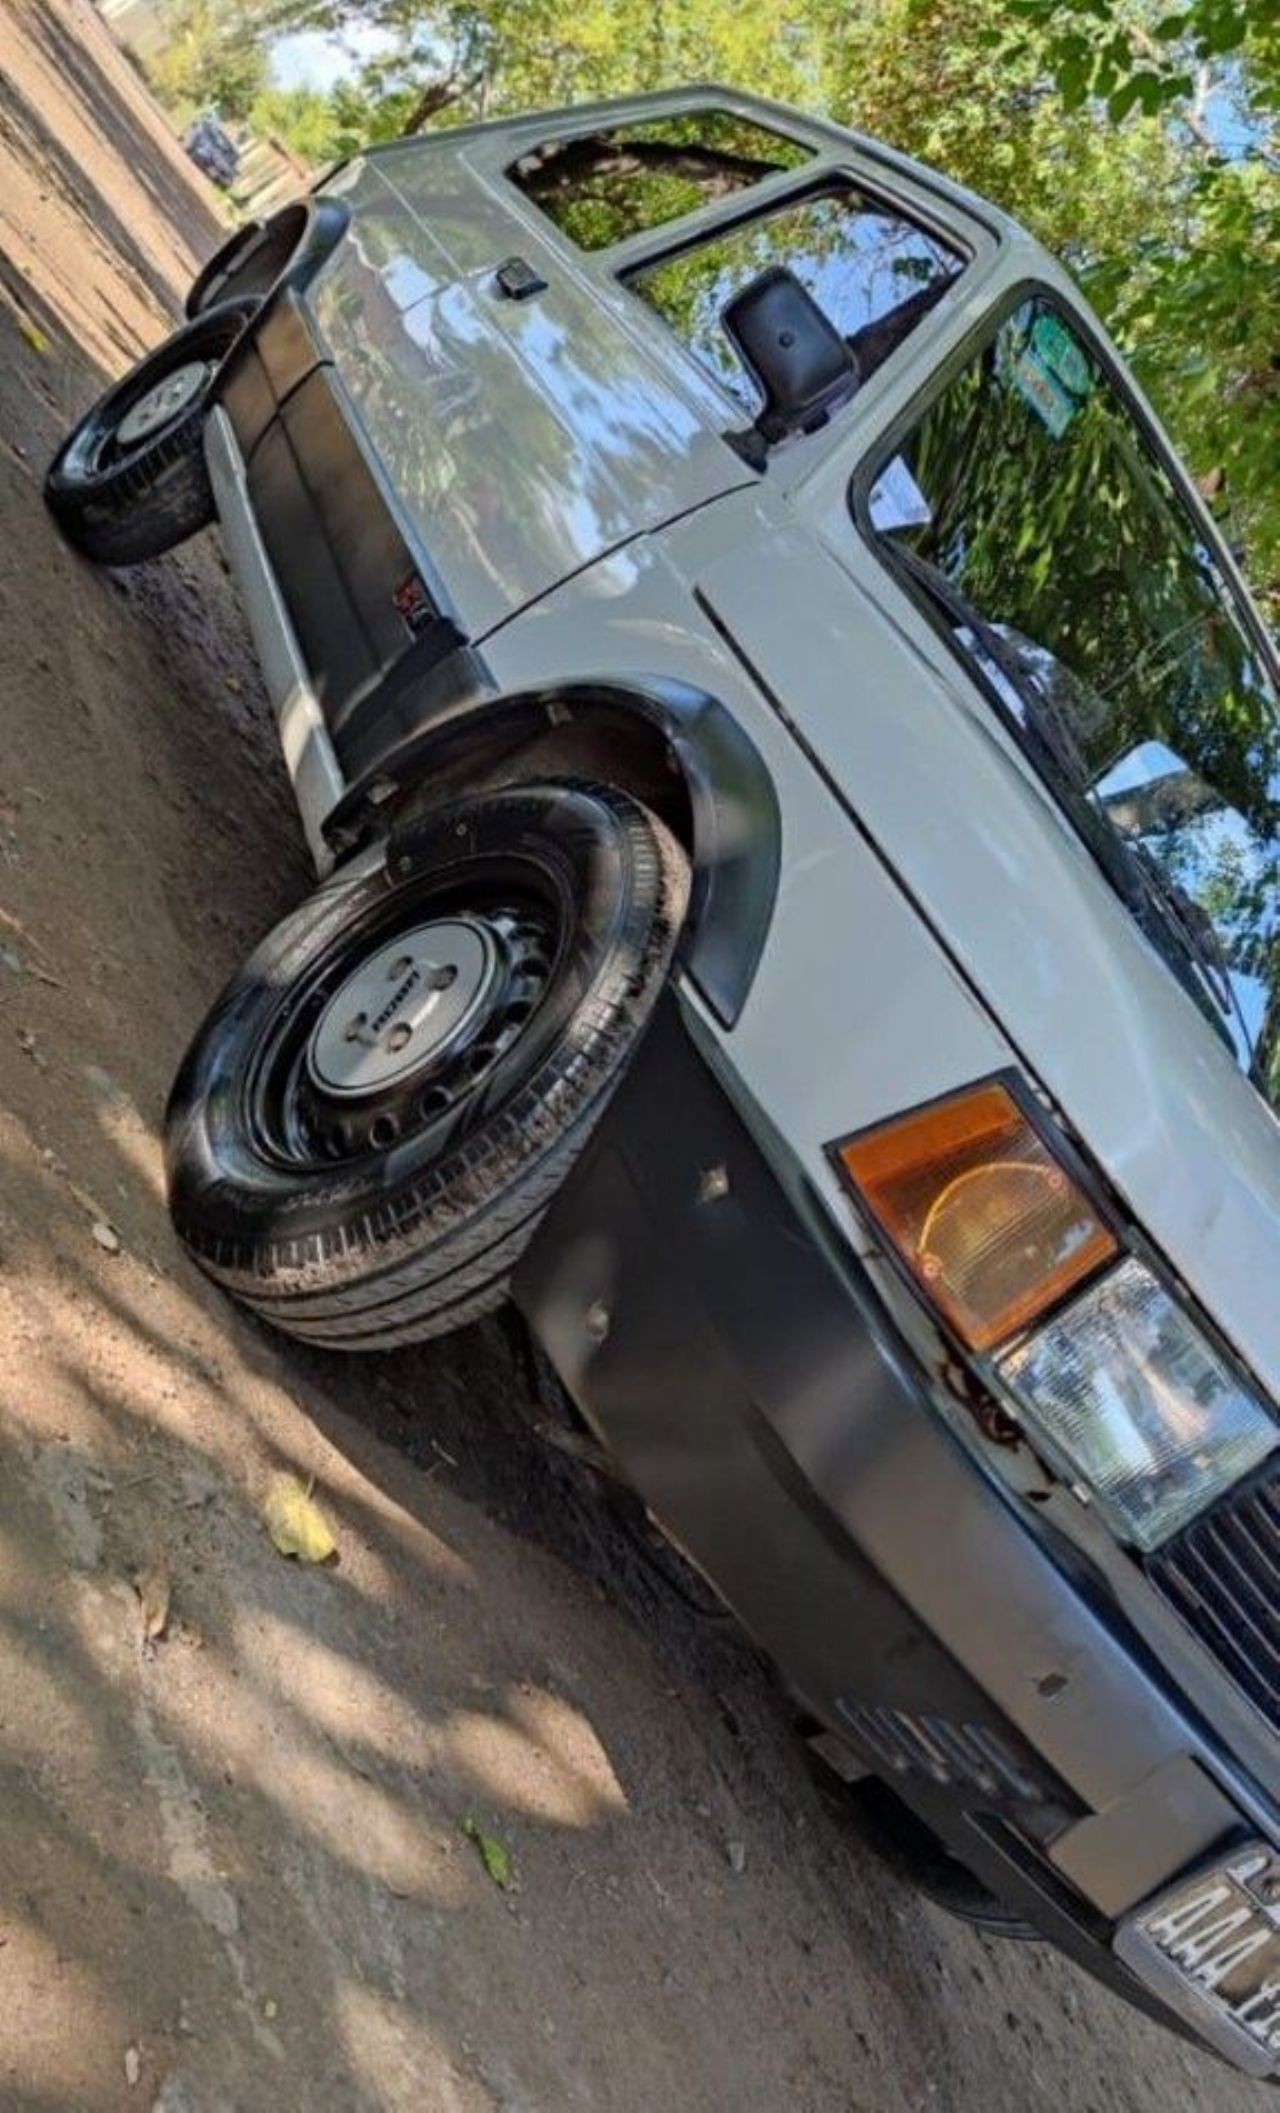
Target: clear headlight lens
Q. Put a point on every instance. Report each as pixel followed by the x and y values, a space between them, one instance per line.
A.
pixel 1138 1406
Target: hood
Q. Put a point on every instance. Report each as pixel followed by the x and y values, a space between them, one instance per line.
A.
pixel 1095 1015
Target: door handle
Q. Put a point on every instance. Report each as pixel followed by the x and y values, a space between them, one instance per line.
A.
pixel 517 279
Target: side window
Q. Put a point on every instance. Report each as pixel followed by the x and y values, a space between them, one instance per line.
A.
pixel 601 187
pixel 872 272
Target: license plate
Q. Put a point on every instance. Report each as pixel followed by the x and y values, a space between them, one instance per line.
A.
pixel 1211 1950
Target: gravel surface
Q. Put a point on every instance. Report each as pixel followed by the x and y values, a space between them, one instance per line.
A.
pixel 237 1861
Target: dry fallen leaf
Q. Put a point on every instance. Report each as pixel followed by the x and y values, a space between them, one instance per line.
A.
pixel 493 1854
pixel 154 1591
pixel 295 1522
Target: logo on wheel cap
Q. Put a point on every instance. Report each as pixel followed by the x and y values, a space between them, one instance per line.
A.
pixel 395 1001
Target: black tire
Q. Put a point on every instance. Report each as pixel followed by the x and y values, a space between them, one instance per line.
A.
pixel 122 503
pixel 366 1217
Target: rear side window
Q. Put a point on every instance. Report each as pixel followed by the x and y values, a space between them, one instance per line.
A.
pixel 601 187
pixel 873 273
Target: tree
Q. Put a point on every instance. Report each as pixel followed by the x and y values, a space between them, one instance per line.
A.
pixel 209 60
pixel 454 59
pixel 1198 302
pixel 943 80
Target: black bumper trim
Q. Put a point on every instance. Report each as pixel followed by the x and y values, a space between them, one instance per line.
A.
pixel 370 619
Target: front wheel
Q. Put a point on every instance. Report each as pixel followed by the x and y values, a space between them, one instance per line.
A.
pixel 378 1110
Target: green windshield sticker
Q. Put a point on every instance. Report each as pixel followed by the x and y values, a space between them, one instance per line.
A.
pixel 1063 354
pixel 1041 388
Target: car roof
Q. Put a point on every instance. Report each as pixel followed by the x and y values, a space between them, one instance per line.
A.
pixel 828 140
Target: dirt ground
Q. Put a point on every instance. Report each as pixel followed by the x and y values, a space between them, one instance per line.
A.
pixel 232 1867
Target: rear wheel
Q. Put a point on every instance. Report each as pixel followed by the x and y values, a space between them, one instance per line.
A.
pixel 377 1112
pixel 130 481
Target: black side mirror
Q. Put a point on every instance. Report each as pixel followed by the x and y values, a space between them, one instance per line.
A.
pixel 799 359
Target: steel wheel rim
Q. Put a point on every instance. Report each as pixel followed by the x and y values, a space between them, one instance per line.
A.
pixel 162 404
pixel 315 1101
pixel 95 447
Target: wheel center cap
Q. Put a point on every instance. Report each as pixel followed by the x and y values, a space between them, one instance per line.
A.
pixel 161 404
pixel 403 1007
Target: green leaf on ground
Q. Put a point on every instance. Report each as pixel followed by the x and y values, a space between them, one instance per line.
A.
pixel 493 1854
pixel 33 334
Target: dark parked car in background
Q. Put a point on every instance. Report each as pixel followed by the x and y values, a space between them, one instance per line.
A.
pixel 213 150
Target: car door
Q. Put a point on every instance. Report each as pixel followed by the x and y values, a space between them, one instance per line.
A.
pixel 530 419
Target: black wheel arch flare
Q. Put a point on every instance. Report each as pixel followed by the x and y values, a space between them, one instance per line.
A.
pixel 286 249
pixel 735 819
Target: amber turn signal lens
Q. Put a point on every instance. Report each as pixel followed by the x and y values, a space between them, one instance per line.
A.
pixel 992 1227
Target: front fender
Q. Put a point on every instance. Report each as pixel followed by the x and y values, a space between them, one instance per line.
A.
pixel 735 817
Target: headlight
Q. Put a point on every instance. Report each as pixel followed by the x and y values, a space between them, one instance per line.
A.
pixel 1136 1404
pixel 1124 1392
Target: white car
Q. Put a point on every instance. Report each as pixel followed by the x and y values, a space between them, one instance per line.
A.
pixel 793 771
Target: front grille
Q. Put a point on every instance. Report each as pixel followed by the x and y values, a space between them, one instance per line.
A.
pixel 1222 1573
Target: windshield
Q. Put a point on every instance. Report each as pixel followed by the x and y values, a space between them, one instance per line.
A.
pixel 1030 486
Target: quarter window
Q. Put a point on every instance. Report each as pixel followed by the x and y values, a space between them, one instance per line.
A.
pixel 601 187
pixel 873 273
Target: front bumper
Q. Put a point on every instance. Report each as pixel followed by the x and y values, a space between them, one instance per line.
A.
pixel 737 1361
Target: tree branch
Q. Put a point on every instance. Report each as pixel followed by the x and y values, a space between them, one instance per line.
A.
pixel 436 96
pixel 576 161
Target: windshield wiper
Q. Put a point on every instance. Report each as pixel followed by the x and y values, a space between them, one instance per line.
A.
pixel 1044 722
pixel 1163 909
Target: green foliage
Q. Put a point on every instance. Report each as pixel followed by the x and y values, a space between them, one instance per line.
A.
pixel 948 81
pixel 1195 300
pixel 1125 51
pixel 209 62
pixel 318 128
pixel 602 191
